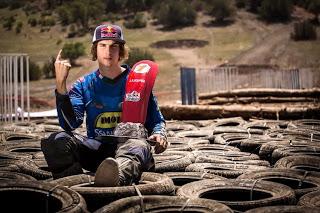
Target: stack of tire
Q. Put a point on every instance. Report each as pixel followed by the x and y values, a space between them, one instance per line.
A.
pixel 220 165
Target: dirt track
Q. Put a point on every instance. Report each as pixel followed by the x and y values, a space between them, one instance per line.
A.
pixel 266 50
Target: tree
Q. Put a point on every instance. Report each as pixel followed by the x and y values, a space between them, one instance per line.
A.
pixel 80 12
pixel 221 9
pixel 19 27
pixel 253 5
pixel 72 51
pixel 35 72
pixel 277 10
pixel 139 21
pixel 48 68
pixel 137 54
pixel 314 7
pixel 174 13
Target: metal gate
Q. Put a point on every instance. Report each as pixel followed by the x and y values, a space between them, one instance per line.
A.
pixel 14 94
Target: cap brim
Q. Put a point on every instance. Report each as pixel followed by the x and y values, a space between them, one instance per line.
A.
pixel 113 39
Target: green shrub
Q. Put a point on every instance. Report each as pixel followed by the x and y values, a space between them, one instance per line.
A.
pixel 72 51
pixel 65 15
pixel 47 22
pixel 221 9
pixel 8 23
pixel 19 27
pixel 138 21
pixel 15 4
pixel 48 68
pixel 137 54
pixel 241 3
pixel 174 13
pixel 31 8
pixel 35 73
pixel 304 30
pixel 276 10
pixel 4 4
pixel 314 7
pixel 32 21
pixel 254 5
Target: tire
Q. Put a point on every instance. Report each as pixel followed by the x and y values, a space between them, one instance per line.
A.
pixel 284 209
pixel 25 166
pixel 172 161
pixel 266 149
pixel 7 175
pixel 224 170
pixel 302 162
pixel 237 194
pixel 35 196
pixel 230 122
pixel 179 126
pixel 221 159
pixel 253 145
pixel 18 136
pixel 73 180
pixel 311 199
pixel 97 197
pixel 214 147
pixel 228 155
pixel 297 134
pixel 14 155
pixel 301 182
pixel 181 178
pixel 157 203
pixel 292 151
pixel 305 124
pixel 184 144
pixel 200 134
pixel 262 125
pixel 20 150
pixel 238 130
pixel 11 165
pixel 232 139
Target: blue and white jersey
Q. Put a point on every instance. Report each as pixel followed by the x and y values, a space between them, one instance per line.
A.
pixel 101 99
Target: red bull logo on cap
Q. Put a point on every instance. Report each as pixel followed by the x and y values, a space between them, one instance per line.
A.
pixel 108 31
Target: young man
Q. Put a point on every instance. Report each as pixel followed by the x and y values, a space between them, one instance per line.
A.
pixel 99 95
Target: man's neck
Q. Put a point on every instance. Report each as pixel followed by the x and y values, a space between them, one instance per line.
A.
pixel 110 72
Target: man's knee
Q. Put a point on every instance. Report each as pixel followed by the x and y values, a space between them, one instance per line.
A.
pixel 136 148
pixel 58 146
pixel 55 140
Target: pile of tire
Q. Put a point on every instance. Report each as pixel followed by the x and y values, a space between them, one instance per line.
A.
pixel 219 165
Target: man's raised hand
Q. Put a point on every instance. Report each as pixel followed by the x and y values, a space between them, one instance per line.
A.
pixel 62 68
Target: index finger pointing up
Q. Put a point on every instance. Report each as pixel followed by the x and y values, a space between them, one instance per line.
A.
pixel 59 55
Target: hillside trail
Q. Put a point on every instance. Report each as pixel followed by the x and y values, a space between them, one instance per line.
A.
pixel 272 40
pixel 264 51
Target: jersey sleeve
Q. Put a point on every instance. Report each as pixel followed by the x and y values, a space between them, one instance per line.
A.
pixel 155 122
pixel 70 107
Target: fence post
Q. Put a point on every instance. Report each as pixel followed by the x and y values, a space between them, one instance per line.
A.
pixel 188 85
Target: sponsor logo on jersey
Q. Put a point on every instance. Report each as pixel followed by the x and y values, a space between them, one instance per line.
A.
pixel 137 80
pixel 134 96
pixel 108 120
pixel 142 68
